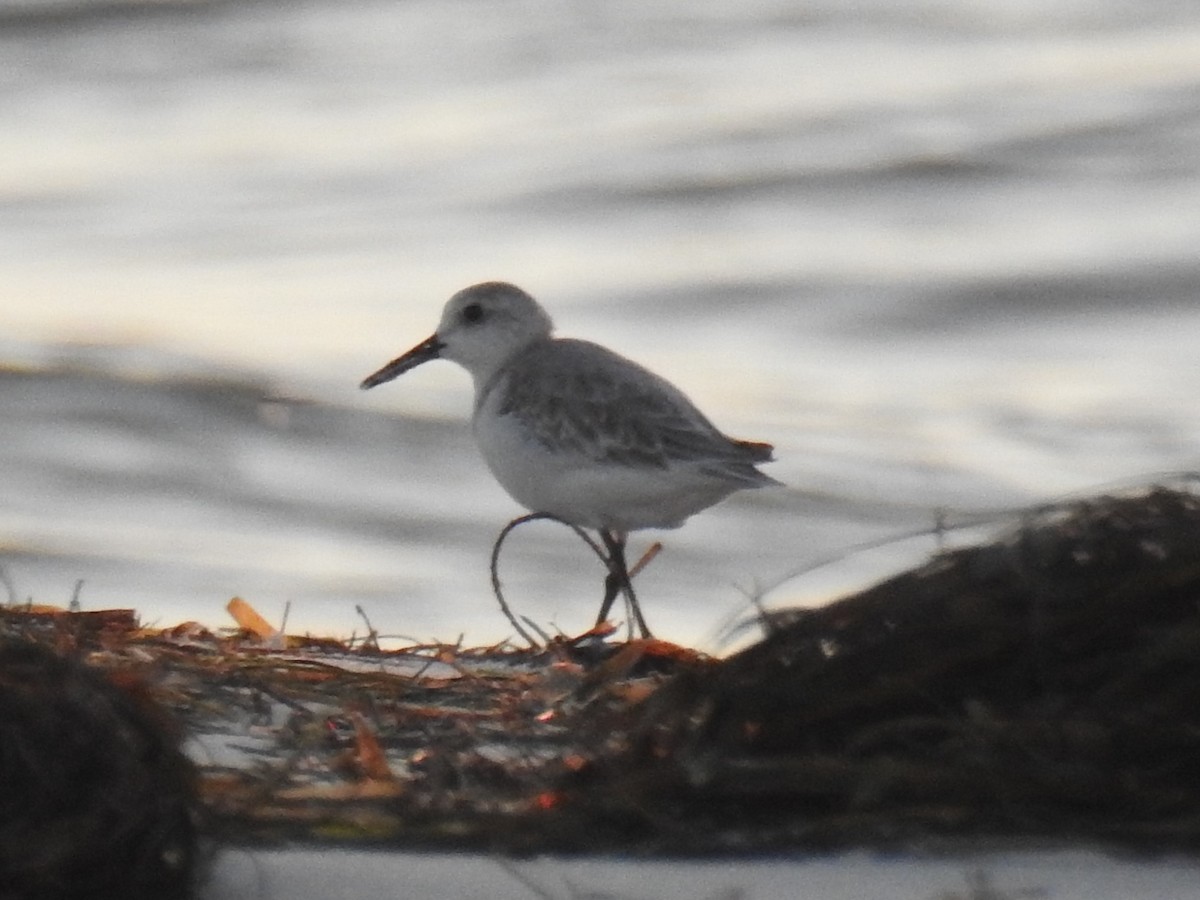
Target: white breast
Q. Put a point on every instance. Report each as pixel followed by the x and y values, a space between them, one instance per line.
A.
pixel 586 492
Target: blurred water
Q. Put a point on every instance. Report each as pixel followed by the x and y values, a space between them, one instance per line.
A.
pixel 940 254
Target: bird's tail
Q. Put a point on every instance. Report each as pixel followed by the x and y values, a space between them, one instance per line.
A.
pixel 758 451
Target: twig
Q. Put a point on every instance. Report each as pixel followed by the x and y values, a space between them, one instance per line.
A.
pixel 372 635
pixel 9 587
pixel 648 557
pixel 74 605
pixel 538 628
pixel 504 532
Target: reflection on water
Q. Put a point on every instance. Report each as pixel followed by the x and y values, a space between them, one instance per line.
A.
pixel 942 255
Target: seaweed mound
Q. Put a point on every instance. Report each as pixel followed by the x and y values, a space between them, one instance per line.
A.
pixel 1043 685
pixel 97 799
pixel 1047 684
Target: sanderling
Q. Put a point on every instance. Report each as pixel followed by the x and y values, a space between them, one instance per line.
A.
pixel 575 431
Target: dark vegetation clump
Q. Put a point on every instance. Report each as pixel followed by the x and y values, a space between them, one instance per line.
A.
pixel 96 799
pixel 1045 685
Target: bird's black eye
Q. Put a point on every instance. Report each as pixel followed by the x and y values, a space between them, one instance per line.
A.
pixel 472 313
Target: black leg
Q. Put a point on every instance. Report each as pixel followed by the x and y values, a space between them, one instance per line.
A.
pixel 614 582
pixel 618 581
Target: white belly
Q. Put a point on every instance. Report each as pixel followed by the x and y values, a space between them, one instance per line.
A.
pixel 587 493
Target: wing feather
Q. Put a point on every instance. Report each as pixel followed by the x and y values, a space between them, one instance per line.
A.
pixel 579 398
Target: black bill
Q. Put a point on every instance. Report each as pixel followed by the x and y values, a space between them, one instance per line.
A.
pixel 428 349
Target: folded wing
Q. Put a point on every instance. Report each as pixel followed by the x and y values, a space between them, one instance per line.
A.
pixel 579 398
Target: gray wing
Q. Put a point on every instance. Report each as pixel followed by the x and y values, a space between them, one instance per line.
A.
pixel 580 398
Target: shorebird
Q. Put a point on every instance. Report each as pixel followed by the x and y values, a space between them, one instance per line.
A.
pixel 576 432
